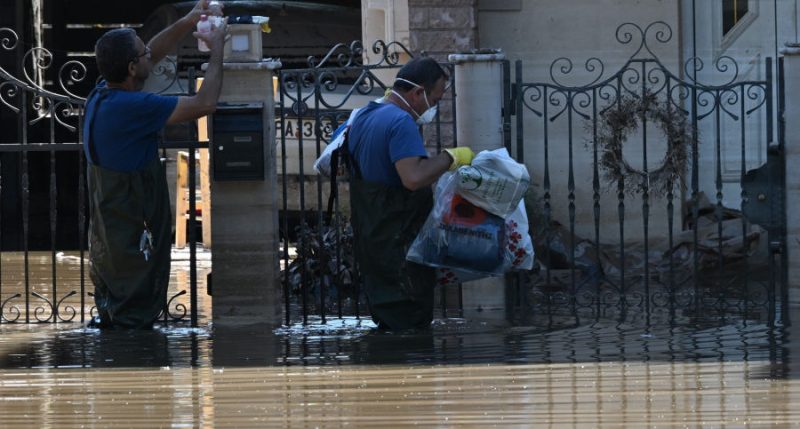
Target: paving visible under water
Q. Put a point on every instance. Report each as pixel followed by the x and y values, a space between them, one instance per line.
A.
pixel 346 374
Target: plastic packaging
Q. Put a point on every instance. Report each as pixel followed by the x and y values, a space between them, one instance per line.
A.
pixel 263 21
pixel 323 164
pixel 519 245
pixel 465 242
pixel 459 235
pixel 216 16
pixel 217 21
pixel 517 251
pixel 449 276
pixel 203 27
pixel 494 182
pixel 215 7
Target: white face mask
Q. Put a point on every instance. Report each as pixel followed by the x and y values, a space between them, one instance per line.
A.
pixel 427 116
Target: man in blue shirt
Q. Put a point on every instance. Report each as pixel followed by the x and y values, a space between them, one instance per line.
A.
pixel 130 219
pixel 390 194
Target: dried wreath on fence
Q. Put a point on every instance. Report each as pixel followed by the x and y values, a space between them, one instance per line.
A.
pixel 621 120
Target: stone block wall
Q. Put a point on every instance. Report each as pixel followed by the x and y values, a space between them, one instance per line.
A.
pixel 442 27
pixel 438 28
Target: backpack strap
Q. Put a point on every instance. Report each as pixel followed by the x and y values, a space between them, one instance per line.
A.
pixel 342 156
pixel 339 156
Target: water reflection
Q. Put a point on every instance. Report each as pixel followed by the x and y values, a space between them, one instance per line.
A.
pixel 27 292
pixel 352 341
pixel 346 373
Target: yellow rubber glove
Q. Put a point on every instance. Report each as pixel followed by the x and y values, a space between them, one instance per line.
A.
pixel 461 156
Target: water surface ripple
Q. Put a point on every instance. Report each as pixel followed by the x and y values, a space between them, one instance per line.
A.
pixel 347 374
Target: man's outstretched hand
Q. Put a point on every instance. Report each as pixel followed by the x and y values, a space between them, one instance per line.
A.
pixel 201 8
pixel 215 39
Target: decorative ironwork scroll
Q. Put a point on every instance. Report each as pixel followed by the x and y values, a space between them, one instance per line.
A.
pixel 583 276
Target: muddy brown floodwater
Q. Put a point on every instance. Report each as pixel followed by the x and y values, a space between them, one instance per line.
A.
pixel 681 372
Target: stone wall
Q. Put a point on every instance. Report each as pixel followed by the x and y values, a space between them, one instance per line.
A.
pixel 792 144
pixel 438 28
pixel 442 27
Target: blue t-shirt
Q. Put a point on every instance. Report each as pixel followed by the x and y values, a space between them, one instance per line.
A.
pixel 125 133
pixel 381 135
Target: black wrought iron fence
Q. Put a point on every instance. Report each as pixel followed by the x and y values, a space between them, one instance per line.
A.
pixel 43 188
pixel 657 193
pixel 615 233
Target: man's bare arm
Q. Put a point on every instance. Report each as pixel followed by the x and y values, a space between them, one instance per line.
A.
pixel 205 101
pixel 167 40
pixel 418 172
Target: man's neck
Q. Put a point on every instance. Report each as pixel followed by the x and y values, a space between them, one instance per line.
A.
pixel 397 101
pixel 125 86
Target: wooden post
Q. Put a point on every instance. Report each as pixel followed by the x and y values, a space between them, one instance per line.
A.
pixel 205 195
pixel 181 199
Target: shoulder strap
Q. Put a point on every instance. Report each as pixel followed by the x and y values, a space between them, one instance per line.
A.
pixel 344 152
pixel 342 155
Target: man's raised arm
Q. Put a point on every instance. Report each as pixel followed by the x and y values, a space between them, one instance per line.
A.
pixel 205 101
pixel 166 41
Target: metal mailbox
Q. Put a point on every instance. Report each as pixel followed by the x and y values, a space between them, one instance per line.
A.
pixel 237 142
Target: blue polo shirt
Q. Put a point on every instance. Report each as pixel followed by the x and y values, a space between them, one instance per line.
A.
pixel 381 135
pixel 125 127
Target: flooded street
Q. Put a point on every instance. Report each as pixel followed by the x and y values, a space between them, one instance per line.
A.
pixel 546 395
pixel 673 372
pixel 347 375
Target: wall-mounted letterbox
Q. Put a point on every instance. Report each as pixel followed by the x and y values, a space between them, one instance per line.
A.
pixel 237 142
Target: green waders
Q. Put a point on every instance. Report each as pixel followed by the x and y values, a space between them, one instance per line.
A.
pixel 386 219
pixel 130 290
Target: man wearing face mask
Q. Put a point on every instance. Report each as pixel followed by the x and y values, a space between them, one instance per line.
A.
pixel 130 221
pixel 391 196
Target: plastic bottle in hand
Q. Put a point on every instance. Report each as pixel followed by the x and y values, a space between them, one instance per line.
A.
pixel 215 13
pixel 203 27
pixel 215 7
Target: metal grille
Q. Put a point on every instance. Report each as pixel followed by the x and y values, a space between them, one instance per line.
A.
pixel 320 275
pixel 611 245
pixel 49 118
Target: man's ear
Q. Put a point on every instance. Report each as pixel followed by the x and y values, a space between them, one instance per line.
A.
pixel 131 68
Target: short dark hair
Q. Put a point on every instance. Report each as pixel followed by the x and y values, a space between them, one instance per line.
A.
pixel 113 51
pixel 422 71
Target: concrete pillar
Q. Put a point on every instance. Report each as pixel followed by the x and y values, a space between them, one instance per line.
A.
pixel 479 103
pixel 479 99
pixel 792 150
pixel 245 276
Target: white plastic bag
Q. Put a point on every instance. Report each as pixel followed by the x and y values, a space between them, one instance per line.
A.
pixel 494 182
pixel 517 251
pixel 459 235
pixel 323 164
pixel 472 244
pixel 519 245
pixel 449 276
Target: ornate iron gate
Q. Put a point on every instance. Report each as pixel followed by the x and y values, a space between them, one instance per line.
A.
pixel 321 278
pixel 47 120
pixel 702 232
